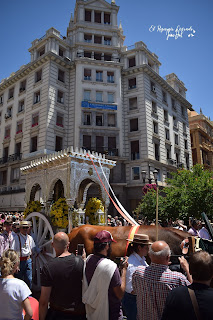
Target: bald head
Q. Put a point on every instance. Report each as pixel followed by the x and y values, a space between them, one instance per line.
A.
pixel 159 252
pixel 60 242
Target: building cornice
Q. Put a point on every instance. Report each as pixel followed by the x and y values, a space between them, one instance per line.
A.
pixel 156 77
pixel 25 70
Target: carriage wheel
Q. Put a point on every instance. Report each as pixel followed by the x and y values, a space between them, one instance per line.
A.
pixel 42 234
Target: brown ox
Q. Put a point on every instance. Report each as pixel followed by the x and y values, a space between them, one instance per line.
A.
pixel 86 233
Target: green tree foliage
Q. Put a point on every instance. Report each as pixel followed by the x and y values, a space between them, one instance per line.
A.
pixel 189 193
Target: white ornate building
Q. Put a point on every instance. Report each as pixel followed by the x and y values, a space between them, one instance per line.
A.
pixel 88 90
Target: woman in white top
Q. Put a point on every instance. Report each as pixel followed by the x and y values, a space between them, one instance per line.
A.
pixel 14 293
pixel 137 251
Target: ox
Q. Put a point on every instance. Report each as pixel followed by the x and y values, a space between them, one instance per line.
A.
pixel 86 233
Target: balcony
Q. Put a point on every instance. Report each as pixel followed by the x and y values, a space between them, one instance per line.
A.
pixel 11 158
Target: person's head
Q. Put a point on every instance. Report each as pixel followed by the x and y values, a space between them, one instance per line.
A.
pixel 102 242
pixel 201 266
pixel 9 263
pixel 61 243
pixel 8 224
pixel 24 226
pixel 160 252
pixel 140 244
pixel 194 224
pixel 15 227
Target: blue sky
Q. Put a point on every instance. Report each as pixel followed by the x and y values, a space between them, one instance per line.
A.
pixel 189 57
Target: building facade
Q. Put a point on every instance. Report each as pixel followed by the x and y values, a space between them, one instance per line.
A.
pixel 201 130
pixel 88 90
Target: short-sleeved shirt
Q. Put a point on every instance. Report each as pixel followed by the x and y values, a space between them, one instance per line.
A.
pixel 26 243
pixel 115 311
pixel 151 285
pixel 64 275
pixel 12 293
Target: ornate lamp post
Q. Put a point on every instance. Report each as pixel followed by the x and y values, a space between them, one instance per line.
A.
pixel 155 174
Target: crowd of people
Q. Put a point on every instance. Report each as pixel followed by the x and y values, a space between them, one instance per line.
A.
pixel 73 287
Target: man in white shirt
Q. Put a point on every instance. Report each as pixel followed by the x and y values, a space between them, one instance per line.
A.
pixel 203 232
pixel 138 248
pixel 24 244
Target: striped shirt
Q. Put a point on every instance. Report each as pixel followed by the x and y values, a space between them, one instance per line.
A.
pixel 152 285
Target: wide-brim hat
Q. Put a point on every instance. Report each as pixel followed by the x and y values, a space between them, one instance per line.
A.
pixel 140 239
pixel 25 224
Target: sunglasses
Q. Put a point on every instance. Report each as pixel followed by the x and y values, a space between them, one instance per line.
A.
pixel 25 227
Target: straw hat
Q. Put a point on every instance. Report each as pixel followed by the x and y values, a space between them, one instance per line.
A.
pixel 140 239
pixel 25 224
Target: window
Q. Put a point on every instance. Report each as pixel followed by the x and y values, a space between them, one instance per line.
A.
pixel 173 104
pixel 58 143
pixel 60 97
pixel 133 124
pixel 88 38
pixel 60 119
pixel 87 142
pixel 106 18
pixel 176 139
pixel 110 77
pixel 5 154
pixel 135 150
pixel 186 144
pixel 88 15
pixel 175 122
pixel 112 151
pixel 99 144
pixel 97 17
pixel 154 107
pixel 1 99
pixel 183 111
pixel 21 106
pixel 107 57
pixel 18 149
pixel 110 97
pixel 87 95
pixel 97 56
pixel 136 173
pixel 159 174
pixel 38 75
pixel 177 156
pixel 167 136
pixel 19 126
pixel 111 120
pixel 133 104
pixel 132 83
pixel 157 151
pixel 33 144
pixel 3 177
pixel 15 174
pixel 87 118
pixel 99 76
pixel 98 39
pixel 36 97
pixel 8 114
pixel 166 116
pixel 153 88
pixel 22 86
pixel 107 41
pixel 99 96
pixel 99 119
pixel 184 128
pixel 41 51
pixel 164 96
pixel 155 127
pixel 11 93
pixel 35 118
pixel 132 62
pixel 61 75
pixel 61 51
pixel 187 160
pixel 0 117
pixel 7 132
pixel 87 74
pixel 87 54
pixel 168 152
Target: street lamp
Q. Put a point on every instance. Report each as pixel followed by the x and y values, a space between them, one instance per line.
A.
pixel 155 174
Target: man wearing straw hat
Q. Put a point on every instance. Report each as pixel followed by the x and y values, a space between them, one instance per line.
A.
pixel 24 244
pixel 138 250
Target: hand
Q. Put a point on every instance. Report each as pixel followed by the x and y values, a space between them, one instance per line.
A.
pixel 84 255
pixel 183 263
pixel 124 263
